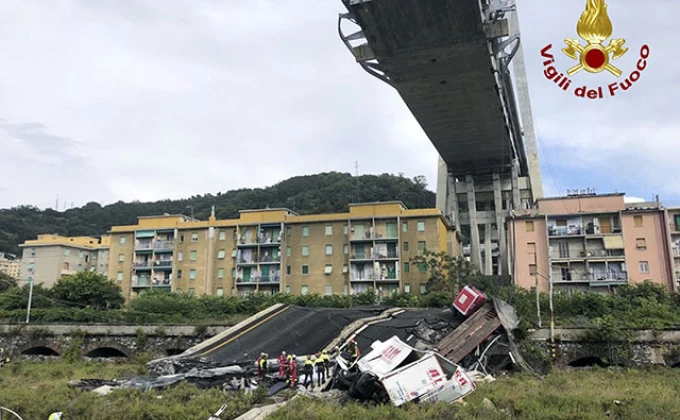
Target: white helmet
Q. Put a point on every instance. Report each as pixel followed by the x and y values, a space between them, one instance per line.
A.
pixel 283 353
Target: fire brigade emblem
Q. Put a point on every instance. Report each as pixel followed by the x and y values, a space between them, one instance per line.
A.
pixel 594 27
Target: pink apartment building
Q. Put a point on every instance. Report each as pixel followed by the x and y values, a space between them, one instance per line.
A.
pixel 592 243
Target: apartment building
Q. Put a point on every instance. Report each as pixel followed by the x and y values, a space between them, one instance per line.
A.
pixel 278 250
pixel 673 227
pixel 589 242
pixel 50 257
pixel 9 265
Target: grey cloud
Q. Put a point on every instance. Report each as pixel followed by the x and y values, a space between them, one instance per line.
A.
pixel 173 98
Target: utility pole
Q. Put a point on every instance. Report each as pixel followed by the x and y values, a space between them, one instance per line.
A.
pixel 192 211
pixel 30 298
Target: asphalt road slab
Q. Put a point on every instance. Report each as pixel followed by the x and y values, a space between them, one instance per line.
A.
pixel 294 329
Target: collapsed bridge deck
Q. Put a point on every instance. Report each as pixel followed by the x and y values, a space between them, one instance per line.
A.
pixel 439 55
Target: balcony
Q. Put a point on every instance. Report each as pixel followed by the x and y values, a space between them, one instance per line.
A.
pixel 361 257
pixel 599 230
pixel 363 277
pixel 270 260
pixel 565 230
pixel 608 279
pixel 365 236
pixel 274 278
pixel 162 264
pixel 386 256
pixel 163 245
pixel 386 237
pixel 606 254
pixel 145 283
pixel 244 261
pixel 141 265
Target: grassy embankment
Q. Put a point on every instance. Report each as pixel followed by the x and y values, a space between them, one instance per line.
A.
pixel 36 389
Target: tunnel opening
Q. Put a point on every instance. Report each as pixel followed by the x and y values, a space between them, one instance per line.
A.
pixel 174 352
pixel 589 362
pixel 39 351
pixel 105 353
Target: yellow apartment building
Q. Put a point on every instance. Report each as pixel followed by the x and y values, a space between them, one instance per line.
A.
pixel 277 250
pixel 50 257
pixel 9 266
pixel 590 242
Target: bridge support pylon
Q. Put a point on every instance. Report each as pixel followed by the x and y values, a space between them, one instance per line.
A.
pixel 479 206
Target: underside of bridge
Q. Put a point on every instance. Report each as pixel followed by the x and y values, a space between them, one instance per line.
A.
pixel 449 60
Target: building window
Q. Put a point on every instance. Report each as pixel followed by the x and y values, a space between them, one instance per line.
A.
pixel 223 235
pixel 531 248
pixel 67 252
pixel 532 269
pixel 220 273
pixel 345 229
pixel 289 230
pixel 404 226
pixel 288 289
pixel 193 255
pixel 304 290
pixel 122 240
pixel 329 230
pixel 421 247
pixel 423 288
pixel 637 220
pixel 119 276
pixel 305 250
pixel 180 256
pixel 221 253
pixel 329 289
pixel 561 222
pixel 421 226
pixel 644 267
pixel 422 267
pixel 405 246
pixel 305 270
pixel 192 274
pixel 641 244
pixel 233 273
pixel 181 239
pixel 529 225
pixel 192 292
pixel 179 274
pixel 194 237
pixel 288 270
pixel 407 288
pixel 220 292
pixel 121 257
pixel 345 249
pixel 328 269
pixel 305 230
pixel 345 269
pixel 329 249
pixel 407 268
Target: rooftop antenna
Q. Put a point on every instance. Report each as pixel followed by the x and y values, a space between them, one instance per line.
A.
pixel 356 182
pixel 56 204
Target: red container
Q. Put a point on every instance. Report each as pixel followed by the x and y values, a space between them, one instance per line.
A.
pixel 469 300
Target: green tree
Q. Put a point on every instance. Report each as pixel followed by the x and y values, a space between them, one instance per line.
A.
pixel 89 289
pixel 6 282
pixel 446 274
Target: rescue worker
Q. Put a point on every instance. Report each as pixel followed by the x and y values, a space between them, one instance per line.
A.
pixel 292 370
pixel 326 360
pixel 283 365
pixel 55 416
pixel 353 350
pixel 308 369
pixel 261 365
pixel 320 370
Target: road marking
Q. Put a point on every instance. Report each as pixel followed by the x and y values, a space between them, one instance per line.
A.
pixel 245 331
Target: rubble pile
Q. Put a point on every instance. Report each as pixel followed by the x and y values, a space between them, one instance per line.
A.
pixel 399 356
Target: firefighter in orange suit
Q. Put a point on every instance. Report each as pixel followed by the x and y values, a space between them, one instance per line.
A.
pixel 292 371
pixel 283 364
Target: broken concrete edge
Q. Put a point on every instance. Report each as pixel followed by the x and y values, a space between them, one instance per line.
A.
pixel 220 336
pixel 357 326
pixel 260 413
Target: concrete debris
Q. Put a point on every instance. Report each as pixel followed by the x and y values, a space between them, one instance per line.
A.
pixel 260 413
pixel 488 404
pixel 103 390
pixel 401 355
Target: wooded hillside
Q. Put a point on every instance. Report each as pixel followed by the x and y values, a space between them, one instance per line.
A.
pixel 321 193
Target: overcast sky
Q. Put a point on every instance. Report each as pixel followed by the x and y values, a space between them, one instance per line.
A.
pixel 150 99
